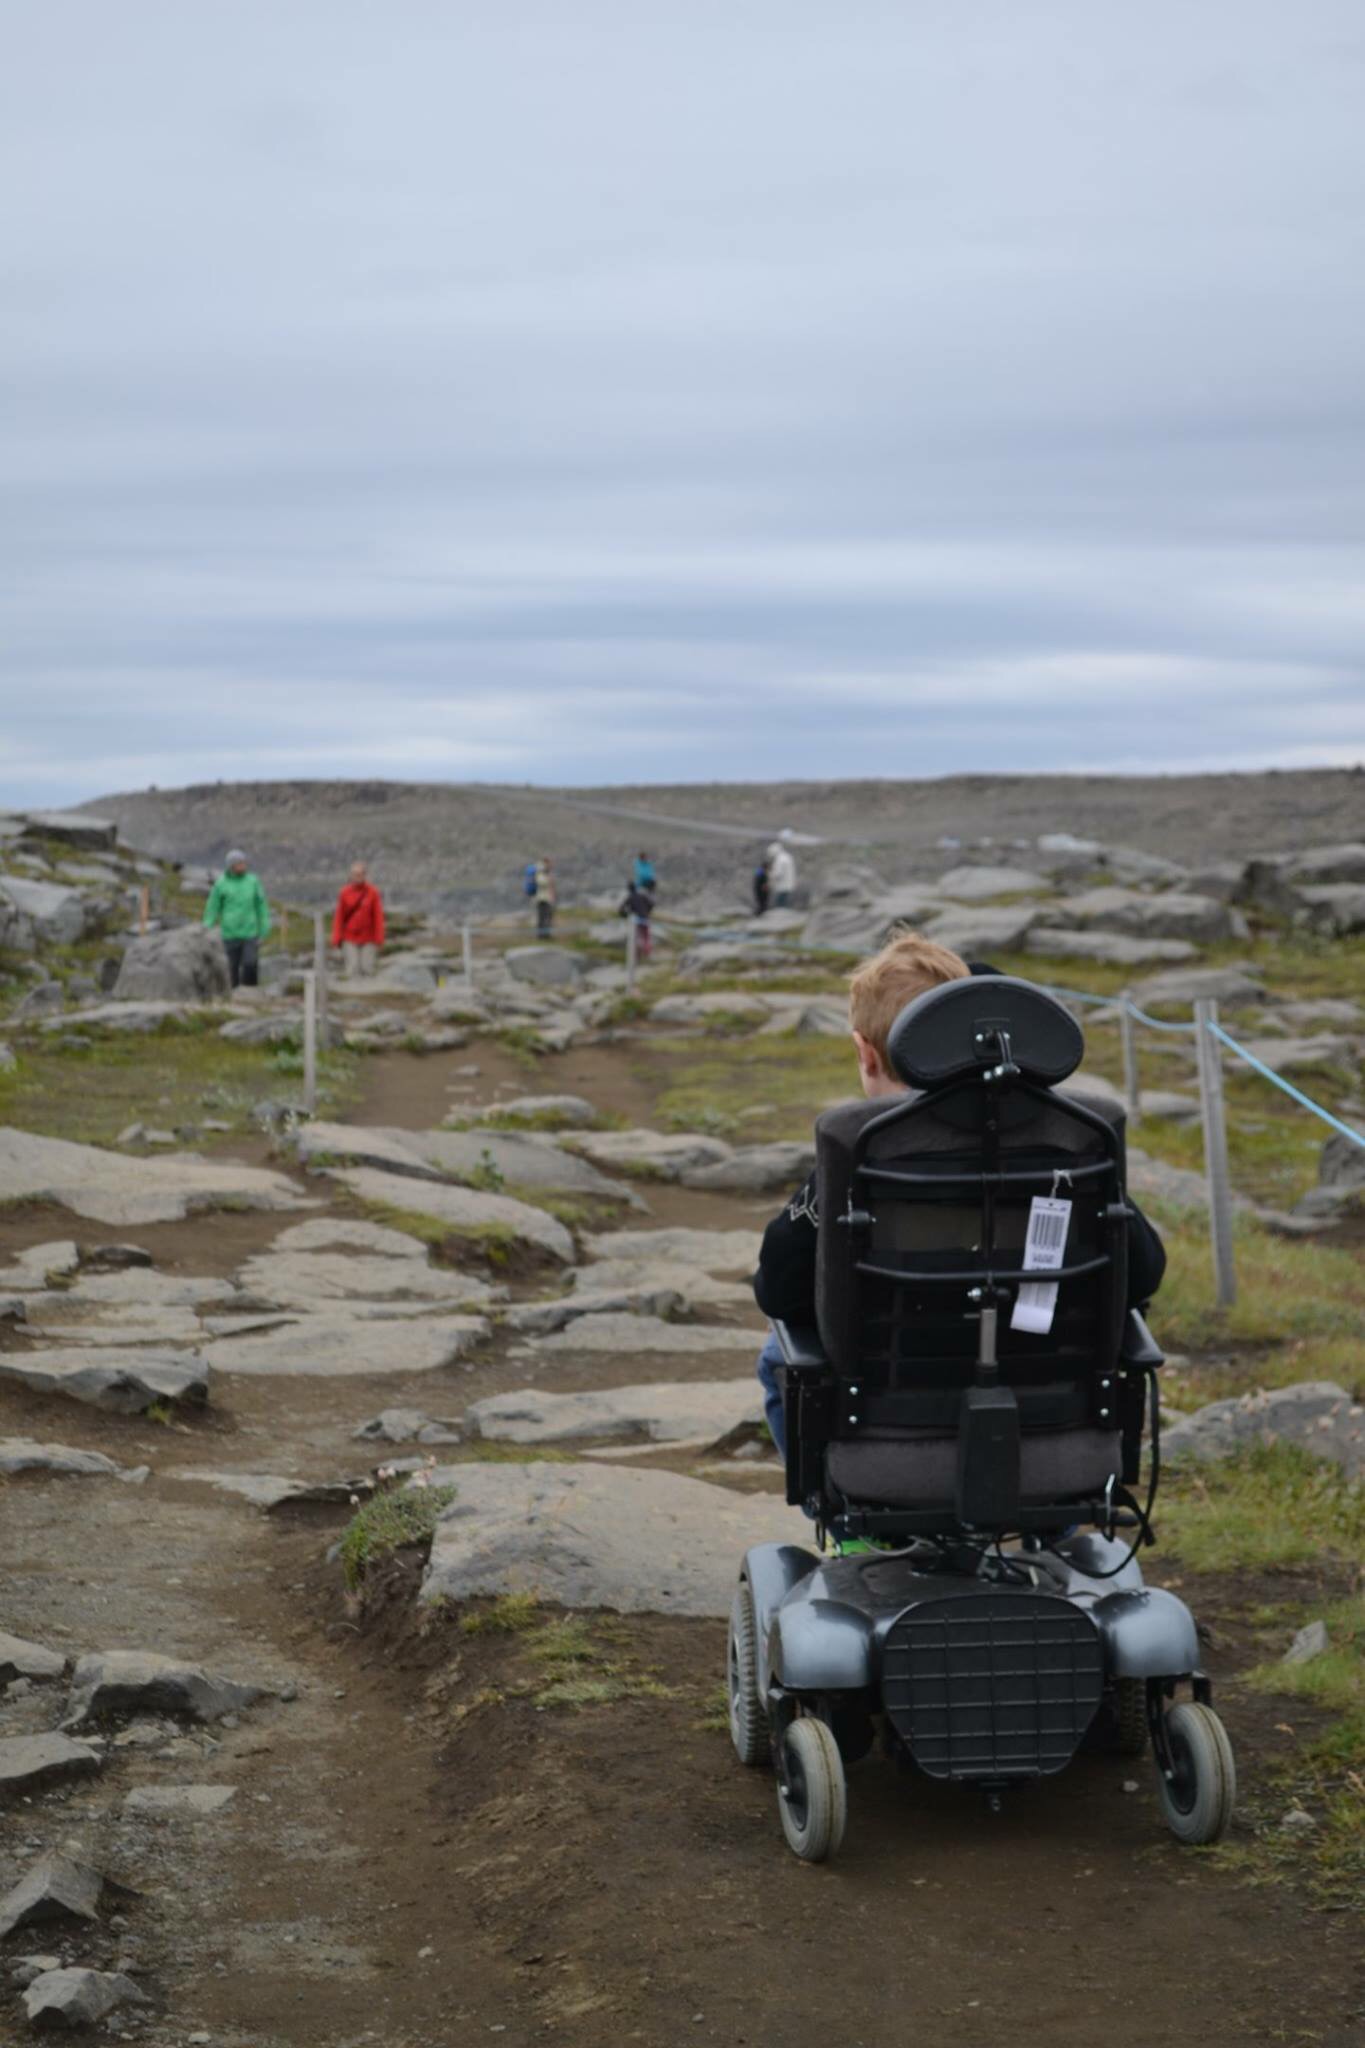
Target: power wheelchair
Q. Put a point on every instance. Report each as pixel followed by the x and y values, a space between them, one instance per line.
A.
pixel 965 1429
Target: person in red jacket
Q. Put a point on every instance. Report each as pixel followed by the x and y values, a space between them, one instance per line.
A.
pixel 358 926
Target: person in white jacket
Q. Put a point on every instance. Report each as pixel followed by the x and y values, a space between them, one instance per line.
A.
pixel 781 875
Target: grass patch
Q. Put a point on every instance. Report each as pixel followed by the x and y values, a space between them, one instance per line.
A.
pixel 792 1078
pixel 1269 1508
pixel 481 1453
pixel 523 1042
pixel 496 1241
pixel 1340 1359
pixel 577 1665
pixel 398 1516
pixel 510 1614
pixel 1289 1289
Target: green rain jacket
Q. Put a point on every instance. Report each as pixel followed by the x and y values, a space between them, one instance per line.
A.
pixel 237 903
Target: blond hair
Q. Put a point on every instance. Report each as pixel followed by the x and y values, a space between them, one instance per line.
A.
pixel 880 989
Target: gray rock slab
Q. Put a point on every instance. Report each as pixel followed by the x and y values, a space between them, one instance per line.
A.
pixel 564 1110
pixel 699 1009
pixel 659 1155
pixel 979 884
pixel 714 1251
pixel 755 1169
pixel 143 1681
pixel 184 965
pixel 140 1286
pixel 330 1344
pixel 406 1426
pixel 58 916
pixel 305 1280
pixel 463 1211
pixel 545 966
pixel 817 1017
pixel 976 934
pixel 1115 949
pixel 21 1659
pixel 29 1760
pixel 271 1490
pixel 116 1325
pixel 77 1997
pixel 168 1802
pixel 644 1283
pixel 54 1888
pixel 1169 1102
pixel 112 1188
pixel 135 1018
pixel 1296 1055
pixel 657 1412
pixel 343 1233
pixel 74 828
pixel 21 1454
pixel 1309 1642
pixel 1317 1415
pixel 648 1298
pixel 1337 908
pixel 599 1535
pixel 1236 987
pixel 1172 914
pixel 34 1269
pixel 1341 1163
pixel 1327 864
pixel 646 1335
pixel 125 1382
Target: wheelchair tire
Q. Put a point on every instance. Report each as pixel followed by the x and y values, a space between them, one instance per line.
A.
pixel 811 1795
pixel 1197 1801
pixel 748 1721
pixel 1131 1733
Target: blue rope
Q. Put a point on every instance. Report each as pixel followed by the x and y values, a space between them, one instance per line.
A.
pixel 1269 1074
pixel 1080 995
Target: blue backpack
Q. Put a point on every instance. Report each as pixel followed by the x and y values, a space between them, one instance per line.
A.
pixel 528 882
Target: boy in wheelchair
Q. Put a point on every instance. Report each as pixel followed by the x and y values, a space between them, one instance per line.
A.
pixel 962 1434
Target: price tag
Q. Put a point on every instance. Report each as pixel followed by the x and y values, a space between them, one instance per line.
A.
pixel 1049 1220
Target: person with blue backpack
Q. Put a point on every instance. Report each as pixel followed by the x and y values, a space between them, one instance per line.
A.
pixel 643 876
pixel 538 883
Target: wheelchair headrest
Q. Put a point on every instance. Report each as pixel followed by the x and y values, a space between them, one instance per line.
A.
pixel 979 1024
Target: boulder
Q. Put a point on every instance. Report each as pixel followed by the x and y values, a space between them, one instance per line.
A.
pixel 545 966
pixel 406 1426
pixel 73 828
pixel 660 1155
pixel 30 1760
pixel 20 1659
pixel 856 927
pixel 1336 908
pixel 1326 864
pixel 184 965
pixel 1341 1163
pixel 700 1009
pixel 657 1413
pixel 112 1188
pixel 980 884
pixel 54 1888
pixel 44 999
pixel 464 1212
pixel 332 1344
pixel 755 1169
pixel 976 934
pixel 36 1268
pixel 816 1017
pixel 1130 865
pixel 588 1535
pixel 623 1332
pixel 143 1682
pixel 1202 920
pixel 1235 986
pixel 78 1998
pixel 714 1251
pixel 1113 949
pixel 1169 1102
pixel 1317 1415
pixel 53 914
pixel 20 1454
pixel 125 1382
pixel 1298 1055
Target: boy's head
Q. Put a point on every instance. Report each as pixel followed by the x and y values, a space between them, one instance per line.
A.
pixel 880 990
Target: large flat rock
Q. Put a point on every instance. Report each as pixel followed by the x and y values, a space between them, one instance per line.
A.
pixel 1316 1415
pixel 21 1659
pixel 34 1269
pixel 980 884
pixel 715 1251
pixel 1236 986
pixel 647 1336
pixel 647 1284
pixel 657 1412
pixel 658 1154
pixel 589 1535
pixel 465 1212
pixel 110 1187
pixel 21 1454
pixel 755 1169
pixel 330 1344
pixel 1113 949
pixel 310 1279
pixel 125 1382
pixel 977 933
pixel 29 1760
pixel 521 1159
pixel 54 1888
pixel 1172 914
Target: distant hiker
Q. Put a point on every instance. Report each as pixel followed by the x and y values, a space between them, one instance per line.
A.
pixel 546 896
pixel 761 890
pixel 639 904
pixel 238 907
pixel 781 875
pixel 358 922
pixel 644 874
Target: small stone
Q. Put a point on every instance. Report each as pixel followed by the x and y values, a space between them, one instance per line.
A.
pixel 1296 1821
pixel 77 1998
pixel 1131 1785
pixel 113 1681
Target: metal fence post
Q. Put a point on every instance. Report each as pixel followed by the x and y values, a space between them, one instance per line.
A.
pixel 310 1041
pixel 632 945
pixel 320 969
pixel 1215 1150
pixel 1132 1093
pixel 467 950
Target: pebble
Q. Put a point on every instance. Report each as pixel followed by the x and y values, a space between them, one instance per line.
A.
pixel 1131 1785
pixel 1296 1821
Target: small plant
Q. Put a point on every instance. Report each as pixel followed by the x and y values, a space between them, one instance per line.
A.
pixel 398 1516
pixel 510 1614
pixel 159 1411
pixel 488 1175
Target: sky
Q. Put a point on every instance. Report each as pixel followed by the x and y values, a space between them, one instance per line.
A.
pixel 605 393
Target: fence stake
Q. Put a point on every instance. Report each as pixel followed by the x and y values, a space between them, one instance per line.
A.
pixel 310 1041
pixel 143 905
pixel 320 969
pixel 632 944
pixel 1215 1150
pixel 1132 1094
pixel 467 949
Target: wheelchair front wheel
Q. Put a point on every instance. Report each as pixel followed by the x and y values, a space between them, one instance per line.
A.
pixel 811 1794
pixel 748 1721
pixel 1198 1796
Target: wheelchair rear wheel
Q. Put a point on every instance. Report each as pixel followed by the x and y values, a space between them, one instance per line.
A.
pixel 811 1795
pixel 1198 1797
pixel 748 1721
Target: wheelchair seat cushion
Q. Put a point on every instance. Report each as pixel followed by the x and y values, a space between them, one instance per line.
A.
pixel 920 1471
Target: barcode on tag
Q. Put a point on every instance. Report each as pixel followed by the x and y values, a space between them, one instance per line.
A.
pixel 1049 1220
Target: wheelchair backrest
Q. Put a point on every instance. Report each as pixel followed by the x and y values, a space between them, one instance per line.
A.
pixel 926 1198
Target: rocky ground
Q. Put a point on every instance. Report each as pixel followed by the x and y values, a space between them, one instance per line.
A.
pixel 371 1487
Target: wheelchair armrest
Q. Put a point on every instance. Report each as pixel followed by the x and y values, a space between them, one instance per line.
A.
pixel 801 1350
pixel 1139 1346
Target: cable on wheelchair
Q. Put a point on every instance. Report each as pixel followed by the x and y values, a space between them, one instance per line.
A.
pixel 1146 1533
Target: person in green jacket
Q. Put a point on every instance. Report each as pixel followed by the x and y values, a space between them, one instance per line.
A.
pixel 237 906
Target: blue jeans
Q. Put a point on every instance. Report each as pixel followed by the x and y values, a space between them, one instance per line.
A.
pixel 769 1359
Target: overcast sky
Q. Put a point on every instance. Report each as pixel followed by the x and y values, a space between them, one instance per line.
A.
pixel 601 392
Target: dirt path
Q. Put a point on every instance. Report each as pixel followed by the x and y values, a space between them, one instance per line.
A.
pixel 417 1854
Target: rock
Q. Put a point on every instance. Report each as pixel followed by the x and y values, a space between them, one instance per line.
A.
pixel 55 1888
pixel 1114 949
pixel 1262 885
pixel 755 1169
pixel 78 1998
pixel 36 1268
pixel 538 1318
pixel 1295 1055
pixel 19 1454
pixel 1317 1415
pixel 1179 1186
pixel 651 1287
pixel 163 1802
pixel 125 1382
pixel 112 1188
pixel 1235 987
pixel 143 1682
pixel 1337 908
pixel 1169 1102
pixel 51 913
pixel 1310 1642
pixel 286 1030
pixel 73 828
pixel 519 1159
pixel 714 1251
pixel 340 1233
pixel 556 1110
pixel 658 1412
pixel 464 1212
pixel 1129 864
pixel 660 1156
pixel 43 1000
pixel 700 1009
pixel 310 1280
pixel 979 884
pixel 1170 915
pixel 269 1490
pixel 591 1535
pixel 29 1760
pixel 1341 1163
pixel 406 1426
pixel 821 1017
pixel 1327 864
pixel 647 1335
pixel 544 965
pixel 184 965
pixel 19 1659
pixel 331 1344
pixel 1297 1822
pixel 8 1062
pixel 136 1018
pixel 1096 1087
pixel 976 934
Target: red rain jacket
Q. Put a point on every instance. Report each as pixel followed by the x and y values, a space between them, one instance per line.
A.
pixel 359 919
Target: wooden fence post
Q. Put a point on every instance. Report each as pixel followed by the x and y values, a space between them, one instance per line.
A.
pixel 310 1041
pixel 632 947
pixel 1215 1150
pixel 467 952
pixel 1132 1094
pixel 320 971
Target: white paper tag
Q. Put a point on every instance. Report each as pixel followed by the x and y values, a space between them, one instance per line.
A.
pixel 1049 1220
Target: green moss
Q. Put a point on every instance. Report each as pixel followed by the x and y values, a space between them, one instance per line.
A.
pixel 397 1516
